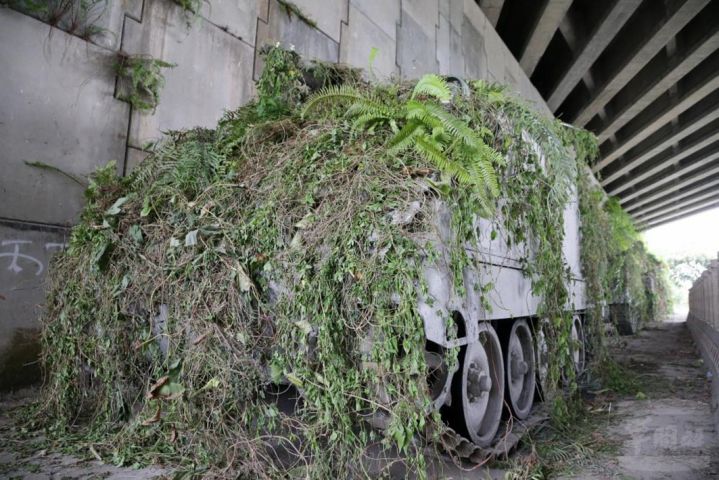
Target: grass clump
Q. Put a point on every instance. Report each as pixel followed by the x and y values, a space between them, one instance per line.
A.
pixel 77 17
pixel 620 379
pixel 246 300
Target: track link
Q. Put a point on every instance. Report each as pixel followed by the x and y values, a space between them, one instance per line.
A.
pixel 513 430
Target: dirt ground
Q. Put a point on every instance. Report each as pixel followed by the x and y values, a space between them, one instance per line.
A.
pixel 29 458
pixel 663 432
pixel 666 431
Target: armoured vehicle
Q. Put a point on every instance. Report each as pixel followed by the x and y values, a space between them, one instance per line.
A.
pixel 503 354
pixel 301 234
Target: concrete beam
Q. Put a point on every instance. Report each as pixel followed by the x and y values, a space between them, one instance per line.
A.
pixel 677 204
pixel 689 195
pixel 710 206
pixel 664 80
pixel 660 147
pixel 492 9
pixel 545 28
pixel 575 38
pixel 674 160
pixel 663 193
pixel 677 186
pixel 705 205
pixel 660 120
pixel 643 54
pixel 608 28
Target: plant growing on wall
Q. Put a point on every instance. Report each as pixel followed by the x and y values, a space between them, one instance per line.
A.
pixel 141 80
pixel 280 87
pixel 292 9
pixel 190 6
pixel 77 17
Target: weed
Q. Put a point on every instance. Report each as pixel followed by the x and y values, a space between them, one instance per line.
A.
pixel 77 17
pixel 618 378
pixel 142 80
pixel 190 6
pixel 561 449
pixel 292 9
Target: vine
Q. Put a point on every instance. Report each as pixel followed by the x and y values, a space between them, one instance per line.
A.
pixel 618 270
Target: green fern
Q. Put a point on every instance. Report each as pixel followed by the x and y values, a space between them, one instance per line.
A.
pixel 360 104
pixel 404 139
pixel 425 126
pixel 434 86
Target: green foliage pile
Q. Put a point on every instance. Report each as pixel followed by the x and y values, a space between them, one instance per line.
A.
pixel 616 265
pixel 263 253
pixel 442 138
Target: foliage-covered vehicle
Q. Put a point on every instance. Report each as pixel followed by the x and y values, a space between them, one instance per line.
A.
pixel 256 300
pixel 639 284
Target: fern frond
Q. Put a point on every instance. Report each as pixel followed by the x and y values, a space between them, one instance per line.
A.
pixel 485 202
pixel 371 106
pixel 434 86
pixel 432 152
pixel 481 163
pixel 484 172
pixel 333 95
pixel 361 121
pixel 164 160
pixel 414 109
pixel 454 125
pixel 405 138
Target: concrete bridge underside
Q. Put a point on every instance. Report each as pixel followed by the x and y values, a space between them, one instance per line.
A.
pixel 643 75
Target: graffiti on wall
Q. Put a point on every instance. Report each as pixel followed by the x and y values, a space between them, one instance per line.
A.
pixel 19 260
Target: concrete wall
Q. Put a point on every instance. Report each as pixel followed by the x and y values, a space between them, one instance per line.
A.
pixel 704 297
pixel 58 100
pixel 703 322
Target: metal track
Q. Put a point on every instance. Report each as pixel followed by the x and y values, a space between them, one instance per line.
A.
pixel 507 439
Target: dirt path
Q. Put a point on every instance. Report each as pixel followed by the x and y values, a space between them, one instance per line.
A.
pixel 666 431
